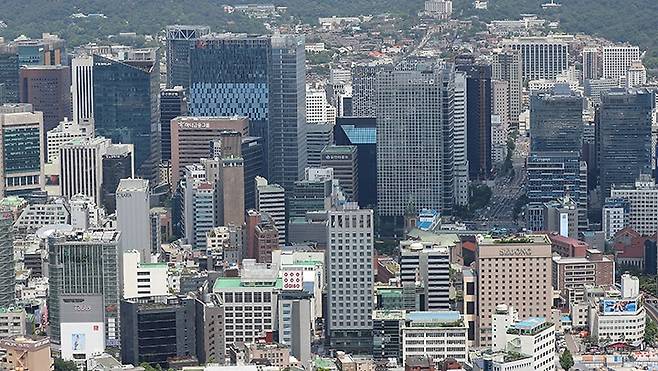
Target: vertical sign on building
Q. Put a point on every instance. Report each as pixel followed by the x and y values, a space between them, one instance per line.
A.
pixel 564 224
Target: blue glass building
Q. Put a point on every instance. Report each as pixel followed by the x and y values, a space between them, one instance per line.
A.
pixel 126 106
pixel 557 120
pixel 362 133
pixel 263 78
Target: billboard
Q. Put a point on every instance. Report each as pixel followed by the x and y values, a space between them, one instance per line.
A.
pixel 619 306
pixel 293 280
pixel 82 340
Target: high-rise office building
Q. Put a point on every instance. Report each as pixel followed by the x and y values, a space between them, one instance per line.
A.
pixel 64 132
pixel 191 139
pixel 344 161
pixel 9 73
pixel 350 279
pixel 173 104
pixel 253 157
pixel 318 109
pixel 361 132
pixel 271 199
pixel 590 64
pixel 23 150
pixel 426 265
pixel 48 50
pixel 198 206
pixel 133 218
pixel 499 263
pixel 118 163
pixel 617 59
pixel 126 104
pixel 271 79
pixel 542 57
pixel 81 167
pixel 461 176
pixel 313 193
pixel 553 175
pixel 641 200
pixel 317 137
pixel 47 89
pixel 7 269
pixel 507 66
pixel 624 137
pixel 363 89
pixel 83 269
pixel 262 236
pixel 478 119
pixel 180 40
pixel 82 90
pixel 556 120
pixel 426 145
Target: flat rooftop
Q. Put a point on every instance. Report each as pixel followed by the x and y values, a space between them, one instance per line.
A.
pixel 528 239
pixel 434 316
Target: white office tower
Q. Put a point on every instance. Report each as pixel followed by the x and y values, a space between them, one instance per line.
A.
pixel 296 316
pixel 630 286
pixel 81 166
pixel 350 278
pixel 318 109
pixel 415 146
pixel 590 64
pixel 426 265
pixel 271 199
pixel 543 57
pixel 642 199
pixel 65 132
pixel 533 336
pixel 199 210
pixel 143 279
pixel 636 75
pixel 507 66
pixel 435 334
pixel 460 141
pixel 85 213
pixel 617 59
pixel 133 216
pixel 82 90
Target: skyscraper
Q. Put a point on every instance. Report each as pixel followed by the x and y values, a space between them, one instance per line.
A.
pixel 343 159
pixel 350 279
pixel 462 179
pixel 507 66
pixel 180 40
pixel 118 163
pixel 81 167
pixel 126 104
pixel 9 73
pixel 478 119
pixel 363 89
pixel 133 218
pixel 271 199
pixel 429 265
pixel 414 140
pixel 556 120
pixel 23 150
pixel 173 104
pixel 617 59
pixel 361 132
pixel 47 88
pixel 7 271
pixel 542 57
pixel 83 266
pixel 624 137
pixel 82 90
pixel 262 78
pixel 590 63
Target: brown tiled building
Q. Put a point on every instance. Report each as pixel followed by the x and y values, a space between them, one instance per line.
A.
pixel 571 274
pixel 47 88
pixel 515 271
pixel 262 236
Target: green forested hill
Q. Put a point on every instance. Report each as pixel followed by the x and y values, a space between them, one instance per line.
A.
pixel 635 21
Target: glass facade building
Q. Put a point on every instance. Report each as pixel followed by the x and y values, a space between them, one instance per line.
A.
pixel 623 134
pixel 127 110
pixel 362 133
pixel 7 270
pixel 9 74
pixel 180 40
pixel 262 78
pixel 557 121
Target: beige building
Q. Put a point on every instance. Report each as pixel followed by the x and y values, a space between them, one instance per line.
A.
pixel 191 138
pixel 643 200
pixel 27 353
pixel 515 271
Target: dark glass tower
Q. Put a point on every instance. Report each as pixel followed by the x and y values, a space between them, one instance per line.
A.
pixel 262 78
pixel 478 119
pixel 9 74
pixel 172 105
pixel 624 137
pixel 362 133
pixel 126 106
pixel 180 40
pixel 117 165
pixel 252 154
pixel 557 121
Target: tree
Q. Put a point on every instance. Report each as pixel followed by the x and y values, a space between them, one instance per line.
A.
pixel 566 360
pixel 62 365
pixel 650 331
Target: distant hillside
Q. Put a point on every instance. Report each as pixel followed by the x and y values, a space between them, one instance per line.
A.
pixel 635 21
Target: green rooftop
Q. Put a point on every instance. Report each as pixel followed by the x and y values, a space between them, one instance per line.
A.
pixel 224 283
pixel 154 265
pixel 11 201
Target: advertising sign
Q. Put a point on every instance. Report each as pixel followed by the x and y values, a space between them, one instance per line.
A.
pixel 619 306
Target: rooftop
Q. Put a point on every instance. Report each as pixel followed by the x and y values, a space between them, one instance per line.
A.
pixel 434 316
pixel 224 283
pixel 533 239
